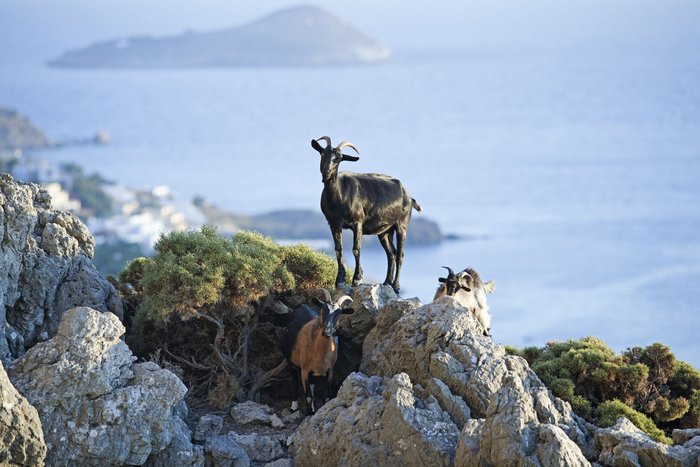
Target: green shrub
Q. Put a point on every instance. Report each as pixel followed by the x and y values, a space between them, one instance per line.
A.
pixel 200 299
pixel 649 380
pixel 608 412
pixel 310 268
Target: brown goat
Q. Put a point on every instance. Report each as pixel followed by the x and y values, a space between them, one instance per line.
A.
pixel 310 346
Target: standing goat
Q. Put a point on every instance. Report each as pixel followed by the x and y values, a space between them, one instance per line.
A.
pixel 310 346
pixel 470 292
pixel 367 204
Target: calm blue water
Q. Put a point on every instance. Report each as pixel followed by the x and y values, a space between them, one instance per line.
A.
pixel 577 175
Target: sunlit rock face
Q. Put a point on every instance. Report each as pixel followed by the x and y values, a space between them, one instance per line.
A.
pixel 45 268
pixel 96 406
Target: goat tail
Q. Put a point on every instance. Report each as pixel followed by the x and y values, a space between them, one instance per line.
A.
pixel 416 206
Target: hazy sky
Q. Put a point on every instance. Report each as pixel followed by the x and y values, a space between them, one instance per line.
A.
pixel 32 30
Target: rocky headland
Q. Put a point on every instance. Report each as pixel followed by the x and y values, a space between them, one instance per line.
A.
pixel 427 388
pixel 298 36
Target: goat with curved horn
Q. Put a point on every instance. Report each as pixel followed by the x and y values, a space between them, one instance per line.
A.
pixel 327 139
pixel 367 204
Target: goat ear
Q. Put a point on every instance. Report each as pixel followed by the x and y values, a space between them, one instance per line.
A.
pixel 442 279
pixel 490 286
pixel 347 311
pixel 465 288
pixel 316 146
pixel 350 158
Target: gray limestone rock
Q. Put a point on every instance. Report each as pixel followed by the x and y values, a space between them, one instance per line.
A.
pixel 368 299
pixel 208 425
pixel 626 445
pixel 224 451
pixel 376 421
pixel 441 347
pixel 21 435
pixel 45 268
pixel 251 412
pixel 260 448
pixel 96 406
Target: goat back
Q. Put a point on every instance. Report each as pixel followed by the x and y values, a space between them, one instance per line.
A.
pixel 302 315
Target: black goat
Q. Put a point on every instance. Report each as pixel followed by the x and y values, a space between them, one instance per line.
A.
pixel 367 204
pixel 310 346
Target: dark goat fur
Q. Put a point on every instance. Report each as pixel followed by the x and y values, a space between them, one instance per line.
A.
pixel 367 204
pixel 310 346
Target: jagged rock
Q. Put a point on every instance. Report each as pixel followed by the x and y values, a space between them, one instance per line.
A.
pixel 260 448
pixel 251 412
pixel 180 452
pixel 376 421
pixel 21 436
pixel 281 463
pixel 208 425
pixel 45 268
pixel 683 436
pixel 512 435
pixel 443 342
pixel 368 299
pixel 626 445
pixel 224 451
pixel 95 405
pixel 276 422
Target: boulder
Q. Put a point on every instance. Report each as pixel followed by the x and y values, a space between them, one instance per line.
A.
pixel 21 435
pixel 46 268
pixel 180 452
pixel 626 445
pixel 250 412
pixel 260 448
pixel 368 299
pixel 377 421
pixel 208 425
pixel 441 347
pixel 96 406
pixel 683 436
pixel 224 451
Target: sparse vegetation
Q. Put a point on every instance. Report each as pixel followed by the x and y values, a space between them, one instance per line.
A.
pixel 647 385
pixel 202 297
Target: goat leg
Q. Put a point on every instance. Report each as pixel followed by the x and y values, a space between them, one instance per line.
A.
pixel 356 246
pixel 295 390
pixel 400 238
pixel 385 240
pixel 338 241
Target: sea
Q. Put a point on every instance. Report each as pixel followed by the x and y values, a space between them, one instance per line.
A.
pixel 572 178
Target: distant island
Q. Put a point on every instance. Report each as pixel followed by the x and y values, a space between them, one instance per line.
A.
pixel 16 132
pixel 298 36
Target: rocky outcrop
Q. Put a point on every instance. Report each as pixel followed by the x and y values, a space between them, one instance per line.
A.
pixel 21 436
pixel 97 407
pixel 46 268
pixel 377 421
pixel 508 417
pixel 626 445
pixel 368 301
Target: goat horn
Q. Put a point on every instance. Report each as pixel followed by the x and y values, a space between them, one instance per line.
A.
pixel 341 300
pixel 347 144
pixel 326 295
pixel 326 139
pixel 452 273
